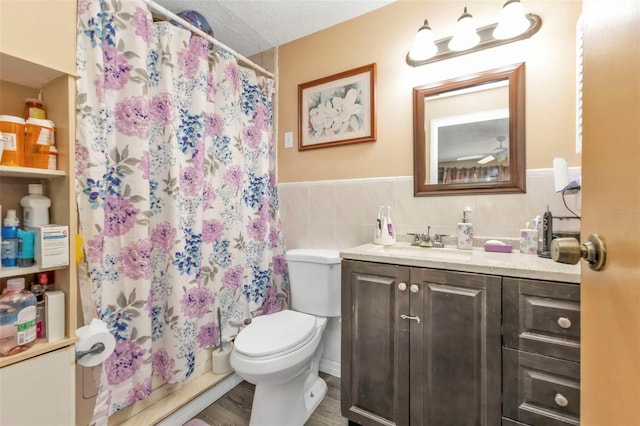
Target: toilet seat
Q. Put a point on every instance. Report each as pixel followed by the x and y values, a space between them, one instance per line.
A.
pixel 277 333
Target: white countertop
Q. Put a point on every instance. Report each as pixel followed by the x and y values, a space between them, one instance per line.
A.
pixel 514 264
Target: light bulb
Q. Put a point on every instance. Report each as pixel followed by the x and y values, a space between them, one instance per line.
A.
pixel 512 21
pixel 465 35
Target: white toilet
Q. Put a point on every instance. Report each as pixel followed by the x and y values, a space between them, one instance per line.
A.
pixel 280 353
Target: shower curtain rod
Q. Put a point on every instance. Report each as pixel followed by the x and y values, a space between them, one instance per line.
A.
pixel 172 16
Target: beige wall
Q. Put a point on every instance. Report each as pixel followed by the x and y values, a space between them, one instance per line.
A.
pixel 384 36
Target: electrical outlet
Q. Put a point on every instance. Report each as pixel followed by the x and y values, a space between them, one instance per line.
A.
pixel 288 140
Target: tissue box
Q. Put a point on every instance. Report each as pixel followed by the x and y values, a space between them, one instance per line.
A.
pixel 51 245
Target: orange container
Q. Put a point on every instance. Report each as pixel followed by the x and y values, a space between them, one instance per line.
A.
pixel 12 133
pixel 39 137
pixel 33 109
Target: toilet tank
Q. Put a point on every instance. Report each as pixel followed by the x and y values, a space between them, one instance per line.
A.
pixel 314 276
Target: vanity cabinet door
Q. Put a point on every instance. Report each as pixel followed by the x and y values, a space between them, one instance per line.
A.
pixel 375 356
pixel 455 359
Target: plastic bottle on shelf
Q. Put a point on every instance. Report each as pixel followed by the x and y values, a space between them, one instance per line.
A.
pixel 33 108
pixel 10 239
pixel 35 207
pixel 17 318
pixel 41 312
pixel 12 134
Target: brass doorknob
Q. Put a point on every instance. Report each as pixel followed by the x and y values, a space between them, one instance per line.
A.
pixel 569 250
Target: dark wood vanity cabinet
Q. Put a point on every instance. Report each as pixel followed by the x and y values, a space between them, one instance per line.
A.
pixel 430 347
pixel 420 346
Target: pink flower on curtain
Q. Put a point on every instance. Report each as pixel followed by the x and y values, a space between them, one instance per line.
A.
pixel 162 109
pixel 83 6
pixel 163 364
pixel 191 180
pixel 163 237
pixel 116 68
pixel 271 303
pixel 143 165
pixel 231 72
pixel 263 210
pixel 208 195
pixel 139 392
pixel 95 249
pixel 199 47
pixel 257 229
pixel 213 125
pixel 134 259
pixel 232 278
pixel 198 155
pixel 211 231
pixel 272 180
pixel 124 361
pixel 211 88
pixel 119 216
pixel 208 335
pixel 273 237
pixel 98 84
pixel 196 302
pixel 234 177
pixel 252 136
pixel 279 265
pixel 143 24
pixel 132 117
pixel 189 61
pixel 82 158
pixel 261 118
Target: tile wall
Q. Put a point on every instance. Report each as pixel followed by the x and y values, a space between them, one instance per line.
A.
pixel 341 214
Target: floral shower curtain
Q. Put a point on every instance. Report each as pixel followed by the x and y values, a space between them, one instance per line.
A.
pixel 176 195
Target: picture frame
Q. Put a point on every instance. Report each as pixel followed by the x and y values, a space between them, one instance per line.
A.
pixel 338 109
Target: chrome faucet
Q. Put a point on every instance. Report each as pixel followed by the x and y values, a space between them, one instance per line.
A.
pixel 422 240
pixel 425 240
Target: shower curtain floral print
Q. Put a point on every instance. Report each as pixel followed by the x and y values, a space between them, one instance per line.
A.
pixel 176 195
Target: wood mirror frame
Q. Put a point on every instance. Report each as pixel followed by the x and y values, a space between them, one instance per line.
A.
pixel 516 181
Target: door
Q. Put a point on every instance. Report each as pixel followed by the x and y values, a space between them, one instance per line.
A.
pixel 375 356
pixel 611 208
pixel 455 361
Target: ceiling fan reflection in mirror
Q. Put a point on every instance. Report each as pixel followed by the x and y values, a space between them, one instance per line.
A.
pixel 500 153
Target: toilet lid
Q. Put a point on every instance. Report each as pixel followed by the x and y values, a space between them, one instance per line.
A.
pixel 274 333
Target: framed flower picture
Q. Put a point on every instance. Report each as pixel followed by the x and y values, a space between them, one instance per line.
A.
pixel 338 109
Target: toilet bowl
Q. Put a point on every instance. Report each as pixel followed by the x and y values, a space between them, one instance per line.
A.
pixel 280 353
pixel 288 387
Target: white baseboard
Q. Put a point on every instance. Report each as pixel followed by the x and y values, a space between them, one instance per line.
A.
pixel 330 367
pixel 202 401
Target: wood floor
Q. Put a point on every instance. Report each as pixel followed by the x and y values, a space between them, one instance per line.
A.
pixel 234 409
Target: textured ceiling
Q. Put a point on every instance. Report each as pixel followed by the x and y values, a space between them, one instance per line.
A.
pixel 253 26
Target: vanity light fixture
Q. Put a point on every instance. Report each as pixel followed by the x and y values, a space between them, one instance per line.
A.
pixel 513 25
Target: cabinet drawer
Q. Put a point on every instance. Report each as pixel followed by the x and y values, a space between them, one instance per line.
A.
pixel 542 317
pixel 540 390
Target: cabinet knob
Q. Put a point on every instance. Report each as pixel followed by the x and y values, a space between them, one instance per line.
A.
pixel 561 400
pixel 564 322
pixel 402 286
pixel 414 288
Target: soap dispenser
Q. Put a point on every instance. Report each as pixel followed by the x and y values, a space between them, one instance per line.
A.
pixel 465 232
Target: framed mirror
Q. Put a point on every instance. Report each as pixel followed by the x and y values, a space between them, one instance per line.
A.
pixel 469 134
